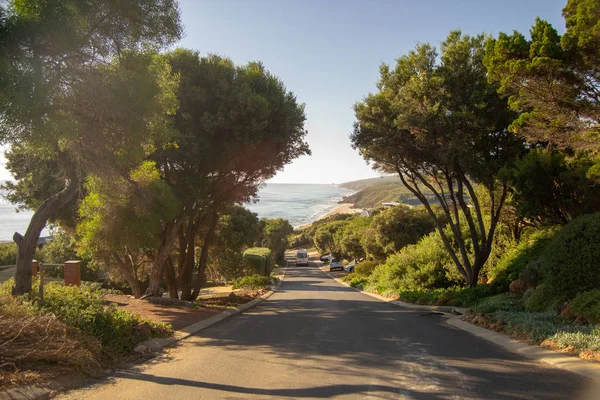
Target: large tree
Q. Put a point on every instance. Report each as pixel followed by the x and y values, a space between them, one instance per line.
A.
pixel 236 127
pixel 553 80
pixel 56 104
pixel 439 124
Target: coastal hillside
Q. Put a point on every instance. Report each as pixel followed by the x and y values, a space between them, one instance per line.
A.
pixel 365 183
pixel 372 192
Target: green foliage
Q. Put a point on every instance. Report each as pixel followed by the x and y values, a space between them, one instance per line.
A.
pixel 539 326
pixel 399 226
pixel 415 267
pixel 258 260
pixel 435 113
pixel 347 239
pixel 500 302
pixel 551 80
pixel 437 297
pixel 8 254
pixel 552 189
pixel 84 309
pixel 254 281
pixel 63 247
pixel 324 236
pixel 358 282
pixel 365 268
pixel 570 261
pixel 516 258
pixel 275 234
pixel 587 305
pixel 237 230
pixel 542 299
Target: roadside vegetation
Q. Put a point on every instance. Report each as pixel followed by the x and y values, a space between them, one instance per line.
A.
pixel 139 157
pixel 498 139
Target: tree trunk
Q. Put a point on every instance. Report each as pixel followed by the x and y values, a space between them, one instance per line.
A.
pixel 127 272
pixel 208 240
pixel 26 244
pixel 164 247
pixel 187 271
pixel 170 278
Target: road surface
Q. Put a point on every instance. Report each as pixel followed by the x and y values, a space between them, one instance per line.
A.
pixel 315 338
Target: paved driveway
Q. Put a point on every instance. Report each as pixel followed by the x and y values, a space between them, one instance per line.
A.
pixel 317 339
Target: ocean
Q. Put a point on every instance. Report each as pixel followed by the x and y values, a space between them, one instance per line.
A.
pixel 298 203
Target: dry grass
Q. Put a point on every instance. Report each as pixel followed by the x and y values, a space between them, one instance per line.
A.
pixel 31 342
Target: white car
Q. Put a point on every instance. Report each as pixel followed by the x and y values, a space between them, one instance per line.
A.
pixel 350 267
pixel 302 257
pixel 336 264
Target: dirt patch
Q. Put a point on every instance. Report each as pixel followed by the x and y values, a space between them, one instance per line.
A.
pixel 180 313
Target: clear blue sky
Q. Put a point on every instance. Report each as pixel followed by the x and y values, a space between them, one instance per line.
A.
pixel 328 53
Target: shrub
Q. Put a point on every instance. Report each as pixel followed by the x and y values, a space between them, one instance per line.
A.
pixel 587 305
pixel 36 338
pixel 83 308
pixel 570 262
pixel 8 253
pixel 365 268
pixel 358 282
pixel 500 302
pixel 541 326
pixel 415 267
pixel 542 299
pixel 252 282
pixel 515 259
pixel 258 260
pixel 437 297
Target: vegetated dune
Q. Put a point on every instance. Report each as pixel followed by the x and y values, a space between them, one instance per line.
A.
pixel 372 192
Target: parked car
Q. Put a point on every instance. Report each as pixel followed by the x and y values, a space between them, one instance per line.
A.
pixel 325 258
pixel 336 264
pixel 350 267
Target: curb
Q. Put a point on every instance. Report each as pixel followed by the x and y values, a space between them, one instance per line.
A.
pixel 157 344
pixel 38 393
pixel 417 307
pixel 536 353
pixel 558 360
pixel 26 393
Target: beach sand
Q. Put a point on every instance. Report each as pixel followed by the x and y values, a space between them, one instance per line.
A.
pixel 344 208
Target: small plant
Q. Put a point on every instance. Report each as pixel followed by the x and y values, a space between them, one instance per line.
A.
pixel 365 268
pixel 358 282
pixel 587 305
pixel 252 282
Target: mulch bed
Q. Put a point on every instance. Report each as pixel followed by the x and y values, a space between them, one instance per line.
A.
pixel 180 313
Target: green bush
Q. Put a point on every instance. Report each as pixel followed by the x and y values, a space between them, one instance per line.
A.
pixel 252 282
pixel 258 260
pixel 570 262
pixel 83 308
pixel 515 259
pixel 540 326
pixel 438 297
pixel 542 299
pixel 587 305
pixel 365 268
pixel 414 268
pixel 358 282
pixel 499 302
pixel 8 253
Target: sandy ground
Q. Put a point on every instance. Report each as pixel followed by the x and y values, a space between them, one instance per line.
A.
pixel 344 208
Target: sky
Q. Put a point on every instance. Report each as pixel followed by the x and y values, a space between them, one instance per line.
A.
pixel 328 53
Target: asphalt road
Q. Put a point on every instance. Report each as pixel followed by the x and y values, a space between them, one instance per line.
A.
pixel 315 338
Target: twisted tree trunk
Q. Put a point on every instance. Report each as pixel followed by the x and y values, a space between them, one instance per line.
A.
pixel 27 243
